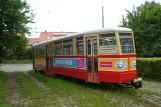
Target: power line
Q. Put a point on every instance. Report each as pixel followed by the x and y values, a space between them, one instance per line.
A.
pixel 102 17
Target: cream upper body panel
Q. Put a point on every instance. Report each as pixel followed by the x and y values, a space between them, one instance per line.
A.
pixel 101 30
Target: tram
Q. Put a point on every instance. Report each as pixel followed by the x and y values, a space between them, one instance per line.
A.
pixel 102 55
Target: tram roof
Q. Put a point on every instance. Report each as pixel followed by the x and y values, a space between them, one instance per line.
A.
pixel 101 30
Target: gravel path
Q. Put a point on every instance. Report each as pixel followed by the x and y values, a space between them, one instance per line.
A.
pixel 150 87
pixel 16 67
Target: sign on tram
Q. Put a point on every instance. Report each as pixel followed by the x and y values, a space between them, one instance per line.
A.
pixel 108 49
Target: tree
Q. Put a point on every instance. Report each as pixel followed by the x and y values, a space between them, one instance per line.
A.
pixel 145 21
pixel 14 17
pixel 18 47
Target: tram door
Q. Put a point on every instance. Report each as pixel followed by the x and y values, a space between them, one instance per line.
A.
pixel 92 60
pixel 49 58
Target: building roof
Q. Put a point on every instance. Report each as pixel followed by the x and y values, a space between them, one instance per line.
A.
pixel 101 30
pixel 44 36
pixel 32 41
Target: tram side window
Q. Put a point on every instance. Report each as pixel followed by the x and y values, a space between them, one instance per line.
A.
pixel 80 46
pixel 36 51
pixel 39 51
pixel 68 47
pixel 58 48
pixel 108 43
pixel 42 50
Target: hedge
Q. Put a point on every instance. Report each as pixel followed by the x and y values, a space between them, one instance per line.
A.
pixel 149 68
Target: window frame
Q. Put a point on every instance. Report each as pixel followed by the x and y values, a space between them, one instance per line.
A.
pixel 55 46
pixel 68 43
pixel 107 37
pixel 132 37
pixel 79 43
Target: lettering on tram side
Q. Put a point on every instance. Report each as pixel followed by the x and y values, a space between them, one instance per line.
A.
pixel 79 63
pixel 106 64
pixel 63 62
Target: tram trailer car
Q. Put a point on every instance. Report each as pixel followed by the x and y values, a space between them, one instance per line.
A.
pixel 103 55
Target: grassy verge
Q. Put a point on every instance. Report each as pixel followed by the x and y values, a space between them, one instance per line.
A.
pixel 3 89
pixel 84 95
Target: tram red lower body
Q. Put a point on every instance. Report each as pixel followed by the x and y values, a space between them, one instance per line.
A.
pixel 77 73
pixel 116 77
pixel 103 76
pixel 40 66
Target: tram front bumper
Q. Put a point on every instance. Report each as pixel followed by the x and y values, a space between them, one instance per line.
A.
pixel 137 83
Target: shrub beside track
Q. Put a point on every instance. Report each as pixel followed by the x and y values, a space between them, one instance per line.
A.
pixel 149 68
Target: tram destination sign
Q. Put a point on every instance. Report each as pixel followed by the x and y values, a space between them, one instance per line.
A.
pixel 109 49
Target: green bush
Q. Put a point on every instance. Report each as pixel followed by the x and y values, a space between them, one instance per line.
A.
pixel 24 54
pixel 149 68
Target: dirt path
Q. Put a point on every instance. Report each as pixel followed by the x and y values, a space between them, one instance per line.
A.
pixel 37 82
pixel 15 97
pixel 60 101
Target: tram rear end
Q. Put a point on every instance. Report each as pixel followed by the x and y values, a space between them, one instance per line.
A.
pixel 117 59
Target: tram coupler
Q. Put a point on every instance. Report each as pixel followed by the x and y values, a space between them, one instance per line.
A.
pixel 137 83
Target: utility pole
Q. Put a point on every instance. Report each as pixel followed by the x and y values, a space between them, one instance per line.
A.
pixel 102 18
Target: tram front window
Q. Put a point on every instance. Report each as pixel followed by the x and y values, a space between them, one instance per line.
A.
pixel 108 43
pixel 127 43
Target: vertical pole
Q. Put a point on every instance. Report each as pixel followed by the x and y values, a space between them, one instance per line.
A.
pixel 102 18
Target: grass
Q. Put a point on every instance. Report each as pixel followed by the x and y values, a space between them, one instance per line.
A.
pixel 62 91
pixel 70 94
pixel 3 89
pixel 93 95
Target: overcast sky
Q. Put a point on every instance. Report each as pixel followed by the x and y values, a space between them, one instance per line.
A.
pixel 78 15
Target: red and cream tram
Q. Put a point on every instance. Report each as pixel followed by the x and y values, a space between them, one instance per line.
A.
pixel 103 55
